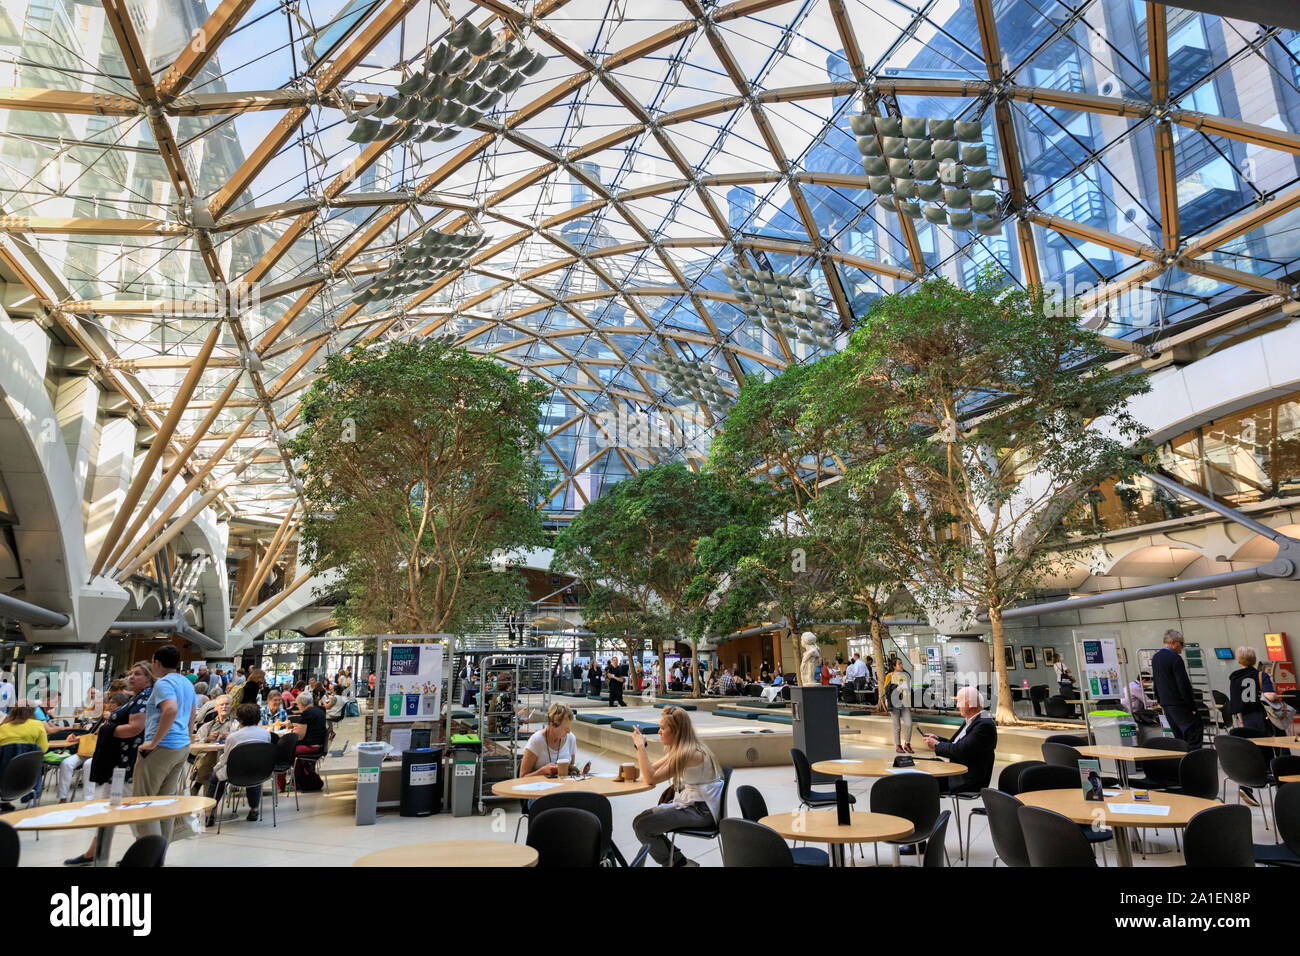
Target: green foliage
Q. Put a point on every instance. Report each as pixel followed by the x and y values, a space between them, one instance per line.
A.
pixel 420 464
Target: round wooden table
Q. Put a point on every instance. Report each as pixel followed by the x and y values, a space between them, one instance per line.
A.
pixel 1284 742
pixel 884 766
pixel 1123 755
pixel 606 786
pixel 1289 778
pixel 178 806
pixel 1070 803
pixel 205 748
pixel 822 826
pixel 453 853
pixel 60 744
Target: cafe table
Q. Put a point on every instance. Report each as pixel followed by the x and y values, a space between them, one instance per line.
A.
pixel 1123 756
pixel 1283 742
pixel 884 766
pixel 1120 812
pixel 823 826
pixel 84 814
pixel 453 853
pixel 530 788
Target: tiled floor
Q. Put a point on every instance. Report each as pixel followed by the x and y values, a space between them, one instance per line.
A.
pixel 324 831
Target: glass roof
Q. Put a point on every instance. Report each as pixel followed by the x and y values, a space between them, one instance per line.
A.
pixel 165 164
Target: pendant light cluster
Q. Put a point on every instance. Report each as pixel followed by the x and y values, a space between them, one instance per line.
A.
pixel 942 163
pixel 421 263
pixel 691 381
pixel 781 303
pixel 462 80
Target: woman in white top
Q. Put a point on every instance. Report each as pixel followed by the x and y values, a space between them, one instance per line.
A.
pixel 697 786
pixel 550 745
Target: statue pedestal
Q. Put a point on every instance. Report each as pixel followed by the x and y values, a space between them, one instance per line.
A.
pixel 816 724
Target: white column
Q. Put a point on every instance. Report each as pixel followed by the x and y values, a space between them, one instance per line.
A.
pixel 114 466
pixel 76 407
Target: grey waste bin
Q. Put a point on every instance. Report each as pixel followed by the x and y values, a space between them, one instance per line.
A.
pixel 464 778
pixel 370 757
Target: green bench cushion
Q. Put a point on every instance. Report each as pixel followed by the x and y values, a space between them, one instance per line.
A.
pixel 736 713
pixel 646 728
pixel 602 720
pixel 759 704
pixel 674 703
pixel 776 718
pixel 940 719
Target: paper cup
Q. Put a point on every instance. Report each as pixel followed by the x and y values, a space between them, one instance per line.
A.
pixel 562 768
pixel 630 772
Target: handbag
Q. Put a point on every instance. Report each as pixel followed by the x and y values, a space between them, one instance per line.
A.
pixel 86 744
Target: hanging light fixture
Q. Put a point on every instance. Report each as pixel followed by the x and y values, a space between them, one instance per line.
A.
pixel 464 77
pixel 781 304
pixel 421 263
pixel 691 381
pixel 942 163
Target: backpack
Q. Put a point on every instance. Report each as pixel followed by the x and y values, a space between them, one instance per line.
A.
pixel 305 777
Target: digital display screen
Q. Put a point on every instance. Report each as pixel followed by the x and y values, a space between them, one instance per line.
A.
pixel 1223 653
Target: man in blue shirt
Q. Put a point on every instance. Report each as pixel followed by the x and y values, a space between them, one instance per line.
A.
pixel 168 728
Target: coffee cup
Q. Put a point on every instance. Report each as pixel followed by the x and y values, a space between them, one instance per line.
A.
pixel 630 772
pixel 562 768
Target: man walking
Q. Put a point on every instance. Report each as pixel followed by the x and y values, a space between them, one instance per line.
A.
pixel 616 674
pixel 1174 690
pixel 168 727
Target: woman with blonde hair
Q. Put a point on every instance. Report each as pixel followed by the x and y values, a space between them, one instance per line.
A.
pixel 697 782
pixel 551 745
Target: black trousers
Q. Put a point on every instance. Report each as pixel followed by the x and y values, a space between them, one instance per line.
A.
pixel 1186 726
pixel 616 693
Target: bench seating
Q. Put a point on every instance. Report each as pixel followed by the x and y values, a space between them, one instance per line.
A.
pixel 600 720
pixel 675 703
pixel 753 715
pixel 646 727
pixel 777 718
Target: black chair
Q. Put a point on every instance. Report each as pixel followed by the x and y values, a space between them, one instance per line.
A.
pixel 935 852
pixel 1059 708
pixel 1065 755
pixel 284 754
pixel 565 837
pixel 1198 774
pixel 808 797
pixel 1286 813
pixel 21 775
pixel 745 843
pixel 1070 740
pixel 754 808
pixel 10 848
pixel 1009 778
pixel 970 790
pixel 1246 765
pixel 249 765
pixel 595 803
pixel 912 796
pixel 1004 827
pixel 1053 840
pixel 147 851
pixel 1160 774
pixel 704 833
pixel 1219 836
pixel 1038 695
pixel 1052 777
pixel 1221 710
pixel 1284 766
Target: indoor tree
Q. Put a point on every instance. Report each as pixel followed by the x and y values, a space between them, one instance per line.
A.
pixel 420 468
pixel 995 414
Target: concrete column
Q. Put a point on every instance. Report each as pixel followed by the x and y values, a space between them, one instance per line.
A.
pixel 76 407
pixel 114 466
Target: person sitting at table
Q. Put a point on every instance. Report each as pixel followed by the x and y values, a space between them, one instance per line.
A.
pixel 248 732
pixel 308 722
pixel 697 783
pixel 68 766
pixel 212 731
pixel 201 693
pixel 21 727
pixel 552 744
pixel 972 746
pixel 273 710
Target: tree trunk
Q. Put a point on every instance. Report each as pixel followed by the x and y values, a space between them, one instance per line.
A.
pixel 1006 715
pixel 695 669
pixel 663 671
pixel 878 647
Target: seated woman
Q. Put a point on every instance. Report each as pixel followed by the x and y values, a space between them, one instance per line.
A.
pixel 68 767
pixel 550 745
pixel 23 727
pixel 247 732
pixel 697 786
pixel 273 710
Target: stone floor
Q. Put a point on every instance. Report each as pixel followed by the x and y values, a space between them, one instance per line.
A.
pixel 324 830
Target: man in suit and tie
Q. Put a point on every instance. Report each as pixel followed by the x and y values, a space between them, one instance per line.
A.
pixel 1174 690
pixel 973 745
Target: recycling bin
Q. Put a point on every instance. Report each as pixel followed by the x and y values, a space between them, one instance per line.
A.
pixel 370 758
pixel 421 793
pixel 464 778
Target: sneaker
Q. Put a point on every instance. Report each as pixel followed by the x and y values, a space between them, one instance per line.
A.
pixel 252 816
pixel 899 750
pixel 80 861
pixel 1248 796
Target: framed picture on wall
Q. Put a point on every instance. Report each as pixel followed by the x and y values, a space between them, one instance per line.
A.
pixel 1009 656
pixel 1027 657
pixel 1049 656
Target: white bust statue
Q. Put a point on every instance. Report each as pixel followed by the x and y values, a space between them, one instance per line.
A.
pixel 811 658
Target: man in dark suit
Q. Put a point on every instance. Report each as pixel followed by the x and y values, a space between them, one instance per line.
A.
pixel 972 745
pixel 1174 690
